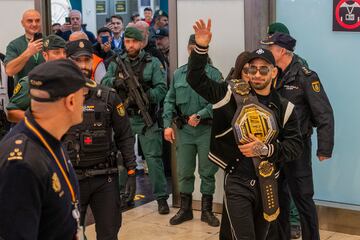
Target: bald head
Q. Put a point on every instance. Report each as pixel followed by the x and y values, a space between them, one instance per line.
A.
pixel 31 21
pixel 78 36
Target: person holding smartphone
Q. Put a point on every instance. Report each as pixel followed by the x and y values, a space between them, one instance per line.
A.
pixel 23 53
pixel 73 23
pixel 103 46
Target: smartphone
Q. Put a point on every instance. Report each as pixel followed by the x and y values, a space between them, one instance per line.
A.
pixel 104 39
pixel 67 20
pixel 37 36
pixel 107 20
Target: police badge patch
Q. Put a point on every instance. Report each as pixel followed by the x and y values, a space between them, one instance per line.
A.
pixel 56 185
pixel 17 88
pixel 316 86
pixel 120 109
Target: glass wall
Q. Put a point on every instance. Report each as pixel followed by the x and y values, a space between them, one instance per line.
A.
pixel 335 57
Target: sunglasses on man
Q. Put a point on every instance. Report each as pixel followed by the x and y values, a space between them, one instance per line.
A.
pixel 263 70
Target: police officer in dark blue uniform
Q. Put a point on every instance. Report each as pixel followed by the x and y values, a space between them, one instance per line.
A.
pixel 92 147
pixel 39 197
pixel 302 87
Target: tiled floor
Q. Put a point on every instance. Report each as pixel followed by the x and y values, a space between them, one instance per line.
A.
pixel 144 223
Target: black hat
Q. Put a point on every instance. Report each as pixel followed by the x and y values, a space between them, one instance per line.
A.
pixel 59 78
pixel 263 54
pixel 78 48
pixel 161 32
pixel 281 39
pixel 159 13
pixel 192 40
pixel 53 42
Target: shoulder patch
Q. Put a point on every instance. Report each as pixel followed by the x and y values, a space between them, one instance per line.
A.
pixel 306 71
pixel 17 88
pixel 121 109
pixel 316 86
pixel 17 148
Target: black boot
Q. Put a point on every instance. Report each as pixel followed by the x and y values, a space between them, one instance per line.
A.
pixel 163 207
pixel 206 211
pixel 185 213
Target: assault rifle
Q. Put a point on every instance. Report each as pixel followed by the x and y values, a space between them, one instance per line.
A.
pixel 136 92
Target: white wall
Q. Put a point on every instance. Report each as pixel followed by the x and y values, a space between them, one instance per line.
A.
pixel 89 15
pixel 227 42
pixel 10 19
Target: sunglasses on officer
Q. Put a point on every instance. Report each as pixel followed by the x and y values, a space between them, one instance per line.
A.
pixel 263 70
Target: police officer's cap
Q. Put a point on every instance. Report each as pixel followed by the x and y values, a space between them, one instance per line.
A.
pixel 53 42
pixel 159 13
pixel 161 32
pixel 78 48
pixel 281 39
pixel 58 78
pixel 132 32
pixel 277 27
pixel 262 54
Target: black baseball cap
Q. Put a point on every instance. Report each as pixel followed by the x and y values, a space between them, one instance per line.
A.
pixel 78 48
pixel 263 54
pixel 281 39
pixel 161 32
pixel 59 78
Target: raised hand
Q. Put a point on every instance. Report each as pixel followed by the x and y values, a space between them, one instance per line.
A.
pixel 202 32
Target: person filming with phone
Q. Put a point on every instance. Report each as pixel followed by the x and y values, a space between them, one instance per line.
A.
pixel 103 46
pixel 23 53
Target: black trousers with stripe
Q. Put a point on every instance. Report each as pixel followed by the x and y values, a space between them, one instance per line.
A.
pixel 242 210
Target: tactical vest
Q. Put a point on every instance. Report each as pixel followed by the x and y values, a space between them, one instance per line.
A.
pixel 138 70
pixel 89 144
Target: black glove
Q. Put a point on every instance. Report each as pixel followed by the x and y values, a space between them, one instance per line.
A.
pixel 131 189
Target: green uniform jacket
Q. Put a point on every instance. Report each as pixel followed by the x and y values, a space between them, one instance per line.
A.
pixel 153 72
pixel 15 49
pixel 20 100
pixel 180 94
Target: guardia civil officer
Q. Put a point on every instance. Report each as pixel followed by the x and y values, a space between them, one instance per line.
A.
pixel 194 119
pixel 93 149
pixel 142 101
pixel 39 196
pixel 244 217
pixel 302 86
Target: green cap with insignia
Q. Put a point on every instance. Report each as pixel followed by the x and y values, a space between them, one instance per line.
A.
pixel 277 27
pixel 131 32
pixel 53 42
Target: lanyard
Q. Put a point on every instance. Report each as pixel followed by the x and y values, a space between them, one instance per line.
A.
pixel 38 134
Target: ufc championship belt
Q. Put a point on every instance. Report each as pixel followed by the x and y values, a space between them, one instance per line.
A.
pixel 254 118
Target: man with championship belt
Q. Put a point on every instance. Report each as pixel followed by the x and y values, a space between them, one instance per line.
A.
pixel 253 130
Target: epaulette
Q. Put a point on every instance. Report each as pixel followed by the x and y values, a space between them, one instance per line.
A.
pixel 17 148
pixel 306 71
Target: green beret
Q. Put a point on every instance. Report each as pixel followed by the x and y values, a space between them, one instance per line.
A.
pixel 277 27
pixel 53 42
pixel 131 32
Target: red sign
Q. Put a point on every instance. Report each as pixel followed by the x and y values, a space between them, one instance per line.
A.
pixel 346 15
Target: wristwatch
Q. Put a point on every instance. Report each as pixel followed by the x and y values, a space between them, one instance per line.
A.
pixel 264 151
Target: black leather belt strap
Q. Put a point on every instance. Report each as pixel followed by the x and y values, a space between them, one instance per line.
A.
pixel 85 173
pixel 268 187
